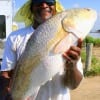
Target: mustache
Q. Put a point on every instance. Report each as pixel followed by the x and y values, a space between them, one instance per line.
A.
pixel 48 9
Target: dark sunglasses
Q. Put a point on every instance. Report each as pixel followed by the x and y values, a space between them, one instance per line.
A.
pixel 48 3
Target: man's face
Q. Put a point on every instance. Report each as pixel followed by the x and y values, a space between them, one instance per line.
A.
pixel 43 11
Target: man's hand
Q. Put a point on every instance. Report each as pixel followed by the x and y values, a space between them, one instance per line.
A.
pixel 72 76
pixel 73 54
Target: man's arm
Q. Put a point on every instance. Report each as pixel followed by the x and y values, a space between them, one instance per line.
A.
pixel 5 79
pixel 72 76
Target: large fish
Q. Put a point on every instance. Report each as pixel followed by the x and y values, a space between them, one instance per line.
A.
pixel 42 58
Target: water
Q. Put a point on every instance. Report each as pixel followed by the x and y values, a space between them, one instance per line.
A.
pixel 95 35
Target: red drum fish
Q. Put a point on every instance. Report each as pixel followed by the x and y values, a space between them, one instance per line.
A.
pixel 42 58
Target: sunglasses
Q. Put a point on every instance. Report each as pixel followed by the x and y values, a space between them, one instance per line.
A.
pixel 48 3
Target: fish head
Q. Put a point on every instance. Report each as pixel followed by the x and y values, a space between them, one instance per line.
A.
pixel 79 21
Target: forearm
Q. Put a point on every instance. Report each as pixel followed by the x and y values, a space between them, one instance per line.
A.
pixel 5 78
pixel 6 74
pixel 72 76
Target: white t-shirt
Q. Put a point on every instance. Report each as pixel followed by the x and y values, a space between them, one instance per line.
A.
pixel 14 47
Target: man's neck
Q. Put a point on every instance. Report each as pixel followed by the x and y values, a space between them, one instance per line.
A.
pixel 35 24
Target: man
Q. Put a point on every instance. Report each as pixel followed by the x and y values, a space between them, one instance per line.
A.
pixel 58 87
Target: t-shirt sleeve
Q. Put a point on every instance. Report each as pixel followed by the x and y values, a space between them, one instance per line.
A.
pixel 9 56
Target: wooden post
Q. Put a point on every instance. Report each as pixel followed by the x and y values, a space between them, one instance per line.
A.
pixel 89 47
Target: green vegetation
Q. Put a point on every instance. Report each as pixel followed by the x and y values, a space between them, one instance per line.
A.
pixel 95 41
pixel 95 68
pixel 95 64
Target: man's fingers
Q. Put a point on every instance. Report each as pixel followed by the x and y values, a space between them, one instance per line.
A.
pixel 79 43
